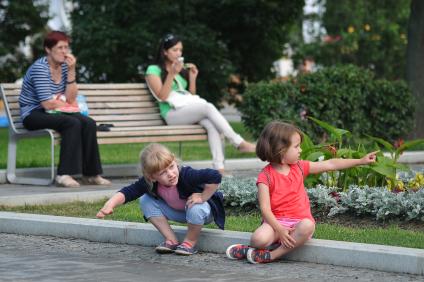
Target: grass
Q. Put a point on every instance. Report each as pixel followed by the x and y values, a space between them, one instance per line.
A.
pixel 35 152
pixel 392 235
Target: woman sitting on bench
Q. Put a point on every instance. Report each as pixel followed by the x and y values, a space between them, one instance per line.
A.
pixel 169 74
pixel 48 79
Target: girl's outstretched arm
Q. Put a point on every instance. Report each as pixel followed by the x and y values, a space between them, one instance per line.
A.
pixel 116 200
pixel 339 164
pixel 268 216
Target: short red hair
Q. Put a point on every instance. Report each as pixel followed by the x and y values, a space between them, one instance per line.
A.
pixel 53 37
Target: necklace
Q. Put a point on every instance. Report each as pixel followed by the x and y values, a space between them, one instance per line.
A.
pixel 56 74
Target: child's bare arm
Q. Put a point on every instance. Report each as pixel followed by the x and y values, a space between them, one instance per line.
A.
pixel 268 216
pixel 116 200
pixel 339 164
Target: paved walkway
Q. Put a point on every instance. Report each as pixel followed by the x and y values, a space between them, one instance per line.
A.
pixel 43 258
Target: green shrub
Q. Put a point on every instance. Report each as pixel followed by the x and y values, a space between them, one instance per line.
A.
pixel 345 96
pixel 264 102
pixel 390 109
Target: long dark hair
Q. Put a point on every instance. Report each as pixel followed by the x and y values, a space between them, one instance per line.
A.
pixel 168 41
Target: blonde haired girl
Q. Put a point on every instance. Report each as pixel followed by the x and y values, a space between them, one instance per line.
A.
pixel 170 192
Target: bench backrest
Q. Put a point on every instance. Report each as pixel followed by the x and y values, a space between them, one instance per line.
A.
pixel 123 105
pixel 129 107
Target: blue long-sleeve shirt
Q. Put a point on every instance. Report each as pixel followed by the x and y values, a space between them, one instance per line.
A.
pixel 189 181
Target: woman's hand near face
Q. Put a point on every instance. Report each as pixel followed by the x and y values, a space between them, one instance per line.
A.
pixel 176 67
pixel 70 60
pixel 192 70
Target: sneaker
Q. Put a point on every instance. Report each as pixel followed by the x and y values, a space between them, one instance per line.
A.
pixel 185 250
pixel 95 180
pixel 258 256
pixel 166 247
pixel 237 251
pixel 66 181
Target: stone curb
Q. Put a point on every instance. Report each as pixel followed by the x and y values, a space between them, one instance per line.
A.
pixel 133 170
pixel 376 257
pixel 56 198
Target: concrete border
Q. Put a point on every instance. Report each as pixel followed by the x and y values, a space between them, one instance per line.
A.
pixel 376 257
pixel 132 170
pixel 56 198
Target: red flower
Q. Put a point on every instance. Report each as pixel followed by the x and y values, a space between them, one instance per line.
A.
pixel 335 195
pixel 331 38
pixel 332 150
pixel 399 142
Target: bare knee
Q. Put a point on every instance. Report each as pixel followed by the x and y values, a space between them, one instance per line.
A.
pixel 305 228
pixel 260 240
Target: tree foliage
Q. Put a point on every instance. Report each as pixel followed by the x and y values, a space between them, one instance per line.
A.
pixel 116 40
pixel 370 34
pixel 19 20
pixel 415 63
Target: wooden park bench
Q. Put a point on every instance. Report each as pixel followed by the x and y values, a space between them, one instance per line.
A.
pixel 129 107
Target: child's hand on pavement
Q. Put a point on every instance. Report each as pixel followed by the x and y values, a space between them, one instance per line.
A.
pixel 104 212
pixel 369 158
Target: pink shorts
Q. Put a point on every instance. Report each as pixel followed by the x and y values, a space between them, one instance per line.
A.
pixel 289 222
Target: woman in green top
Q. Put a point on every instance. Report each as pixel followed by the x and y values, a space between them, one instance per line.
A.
pixel 170 73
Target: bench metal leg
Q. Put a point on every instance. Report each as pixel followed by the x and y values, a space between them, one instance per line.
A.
pixel 180 151
pixel 11 162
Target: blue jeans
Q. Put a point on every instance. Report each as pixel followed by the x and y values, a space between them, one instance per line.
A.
pixel 198 214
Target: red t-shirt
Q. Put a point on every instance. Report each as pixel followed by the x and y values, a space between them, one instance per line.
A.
pixel 287 192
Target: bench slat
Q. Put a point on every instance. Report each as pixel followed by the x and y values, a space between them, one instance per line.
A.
pixel 93 112
pixel 113 105
pixel 17 86
pixel 108 105
pixel 112 86
pixel 152 139
pixel 91 99
pixel 126 117
pixel 115 92
pixel 113 118
pixel 137 123
pixel 150 132
pixel 168 127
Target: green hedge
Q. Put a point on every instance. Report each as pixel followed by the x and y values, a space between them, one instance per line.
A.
pixel 345 96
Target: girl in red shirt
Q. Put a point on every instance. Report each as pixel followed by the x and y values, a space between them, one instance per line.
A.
pixel 283 201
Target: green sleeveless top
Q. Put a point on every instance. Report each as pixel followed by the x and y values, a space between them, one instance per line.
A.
pixel 164 107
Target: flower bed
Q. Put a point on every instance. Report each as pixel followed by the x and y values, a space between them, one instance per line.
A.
pixel 378 202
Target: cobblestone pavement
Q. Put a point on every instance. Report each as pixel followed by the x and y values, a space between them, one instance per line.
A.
pixel 42 258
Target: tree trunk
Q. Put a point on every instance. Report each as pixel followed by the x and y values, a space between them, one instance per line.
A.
pixel 415 64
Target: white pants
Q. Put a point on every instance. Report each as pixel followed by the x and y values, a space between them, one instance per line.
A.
pixel 212 120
